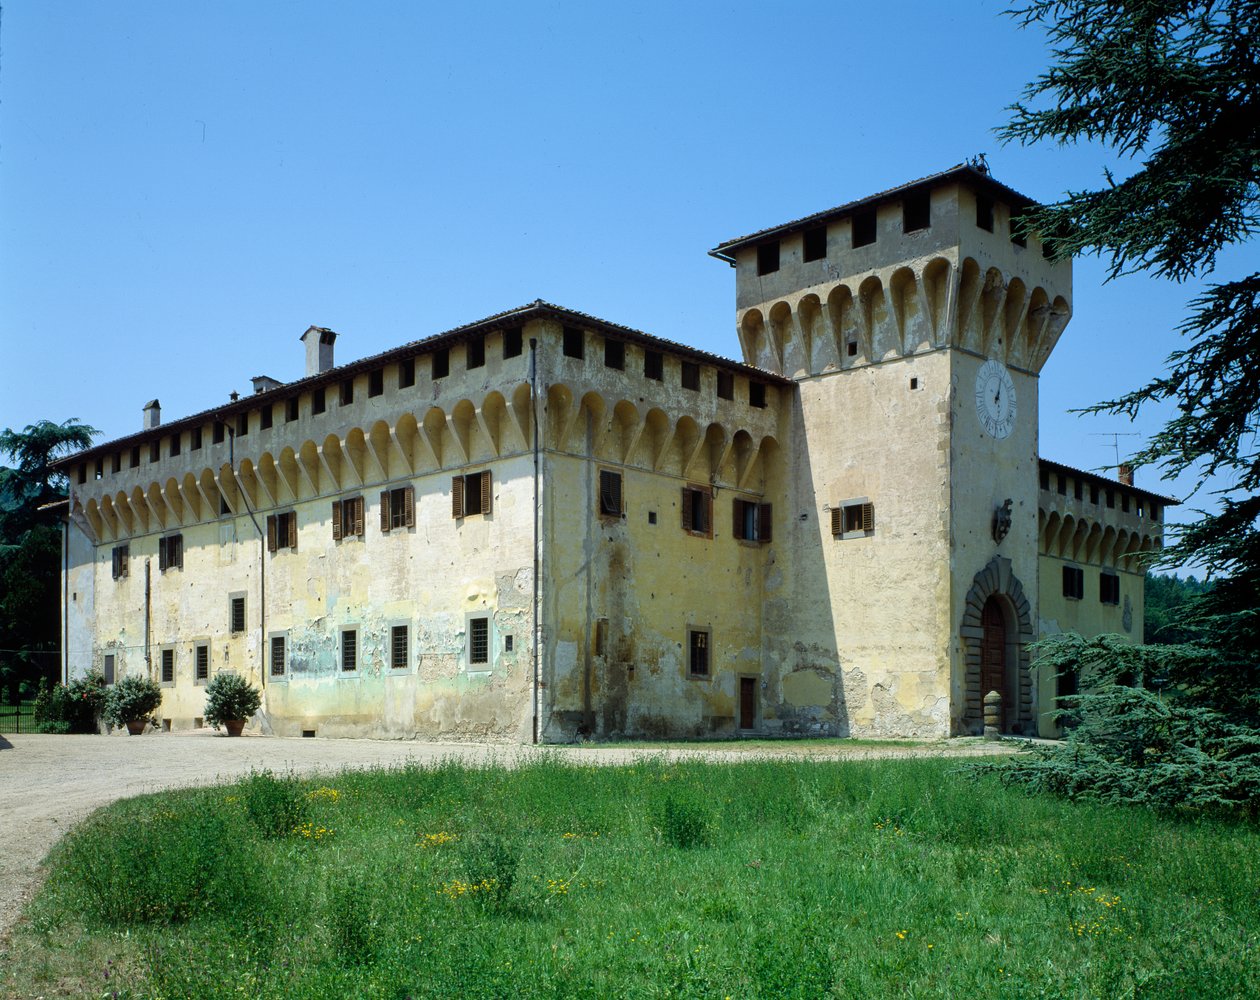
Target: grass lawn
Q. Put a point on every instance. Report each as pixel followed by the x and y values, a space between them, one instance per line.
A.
pixel 757 879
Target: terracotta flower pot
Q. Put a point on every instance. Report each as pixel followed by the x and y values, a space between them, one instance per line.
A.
pixel 136 726
pixel 234 726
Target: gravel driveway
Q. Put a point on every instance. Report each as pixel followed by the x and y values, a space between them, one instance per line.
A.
pixel 49 783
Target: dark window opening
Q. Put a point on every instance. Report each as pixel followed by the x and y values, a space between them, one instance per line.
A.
pixel 1045 479
pixel 194 439
pixel 108 670
pixel 155 452
pixel 277 656
pixel 175 445
pixel 291 409
pixel 475 353
pixel 398 647
pixel 265 417
pixel 121 552
pixel 1073 582
pixel 512 342
pixel 610 496
pixel 851 348
pixel 614 354
pixel 916 212
pixel 1109 588
pixel 478 640
pixel 349 650
pixel 134 461
pixel 863 228
pixel 914 383
pixel 725 385
pixel 201 663
pixel 407 373
pixel 697 511
pixel 346 392
pixel 757 395
pixel 767 258
pixel 698 652
pixel 856 518
pixel 574 343
pixel 653 365
pixel 242 424
pixel 398 508
pixel 691 376
pixel 168 666
pixel 1093 493
pixel 984 212
pixel 83 473
pixel 237 615
pixel 1061 484
pixel 282 531
pixel 441 363
pixel 376 382
pixel 1078 489
pixel 814 244
pixel 318 401
pixel 1111 498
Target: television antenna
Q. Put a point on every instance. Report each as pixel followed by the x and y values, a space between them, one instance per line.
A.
pixel 1115 439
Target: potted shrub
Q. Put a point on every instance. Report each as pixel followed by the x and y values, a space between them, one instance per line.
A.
pixel 230 700
pixel 131 702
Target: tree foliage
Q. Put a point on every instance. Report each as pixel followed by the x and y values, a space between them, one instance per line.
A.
pixel 30 547
pixel 1173 88
pixel 1167 599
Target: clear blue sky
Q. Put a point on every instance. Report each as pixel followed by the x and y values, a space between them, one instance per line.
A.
pixel 185 188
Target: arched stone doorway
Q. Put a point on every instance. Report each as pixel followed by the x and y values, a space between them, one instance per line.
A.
pixel 996 630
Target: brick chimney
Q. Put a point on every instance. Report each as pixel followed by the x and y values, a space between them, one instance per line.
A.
pixel 1125 474
pixel 152 414
pixel 319 349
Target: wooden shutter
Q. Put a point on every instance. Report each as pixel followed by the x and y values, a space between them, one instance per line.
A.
pixel 385 512
pixel 271 532
pixel 485 492
pixel 763 522
pixel 837 520
pixel 409 507
pixel 686 508
pixel 457 496
pixel 737 518
pixel 292 532
pixel 358 515
pixel 336 520
pixel 177 551
pixel 706 511
pixel 609 492
pixel 868 517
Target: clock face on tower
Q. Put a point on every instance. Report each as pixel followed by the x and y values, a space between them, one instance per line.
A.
pixel 995 399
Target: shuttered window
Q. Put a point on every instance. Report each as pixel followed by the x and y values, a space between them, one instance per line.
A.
pixel 610 498
pixel 347 518
pixel 697 510
pixel 470 494
pixel 171 552
pixel 1108 588
pixel 282 531
pixel 1073 582
pixel 398 508
pixel 121 552
pixel 751 521
pixel 853 518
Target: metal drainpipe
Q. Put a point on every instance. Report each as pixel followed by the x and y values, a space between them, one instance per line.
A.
pixel 148 606
pixel 533 392
pixel 262 559
pixel 65 600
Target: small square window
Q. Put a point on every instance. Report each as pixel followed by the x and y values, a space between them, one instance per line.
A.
pixel 814 243
pixel 346 392
pixel 407 373
pixel 916 212
pixel 291 409
pixel 376 382
pixel 475 353
pixel 914 384
pixel 441 363
pixel 265 417
pixel 691 376
pixel 725 385
pixel 236 614
pixel 853 518
pixel 478 642
pixel 277 655
pixel 610 498
pixel 984 212
pixel 698 652
pixel 850 348
pixel 512 342
pixel 614 354
pixel 319 401
pixel 349 650
pixel 751 521
pixel 757 395
pixel 863 227
pixel 398 647
pixel 574 343
pixel 653 365
pixel 201 663
pixel 768 258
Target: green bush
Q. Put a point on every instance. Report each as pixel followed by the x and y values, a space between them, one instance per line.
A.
pixel 489 863
pixel 132 699
pixel 70 708
pixel 277 806
pixel 229 697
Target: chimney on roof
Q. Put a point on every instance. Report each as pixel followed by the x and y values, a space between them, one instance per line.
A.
pixel 264 383
pixel 1125 474
pixel 319 349
pixel 152 414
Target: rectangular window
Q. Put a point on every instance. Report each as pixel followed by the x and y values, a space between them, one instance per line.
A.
pixel 236 613
pixel 441 363
pixel 475 353
pixel 1108 588
pixel 1045 479
pixel 83 472
pixel 916 212
pixel 1061 484
pixel 1078 490
pixel 1124 502
pixel 751 521
pixel 512 342
pixel 407 373
pixel 201 663
pixel 277 656
pixel 697 510
pixel 614 354
pixel 610 498
pixel 291 409
pixel 346 392
pixel 1019 228
pixel 319 401
pixel 984 212
pixel 349 650
pixel 173 450
pixel 398 508
pixel 1073 582
pixel 653 365
pixel 155 451
pixel 691 376
pixel 168 666
pixel 850 348
pixel 698 652
pixel 863 228
pixel 757 395
pixel 134 463
pixel 574 343
pixel 768 258
pixel 478 642
pixel 121 552
pixel 1111 498
pixel 398 647
pixel 171 552
pixel 376 382
pixel 853 518
pixel 814 243
pixel 194 439
pixel 470 494
pixel 282 531
pixel 265 417
pixel 347 518
pixel 725 385
pixel 1093 493
pixel 107 668
pixel 242 424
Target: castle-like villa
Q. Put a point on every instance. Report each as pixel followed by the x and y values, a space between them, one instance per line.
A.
pixel 543 525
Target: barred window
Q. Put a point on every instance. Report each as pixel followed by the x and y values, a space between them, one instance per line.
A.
pixel 277 656
pixel 236 613
pixel 398 647
pixel 201 663
pixel 478 641
pixel 168 666
pixel 698 652
pixel 349 649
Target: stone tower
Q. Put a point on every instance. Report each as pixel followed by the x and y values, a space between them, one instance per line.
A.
pixel 915 323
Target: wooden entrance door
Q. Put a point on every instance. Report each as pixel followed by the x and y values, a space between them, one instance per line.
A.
pixel 993 656
pixel 748 703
